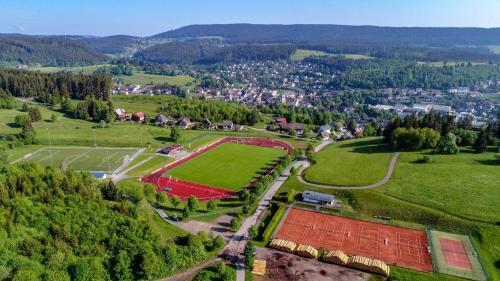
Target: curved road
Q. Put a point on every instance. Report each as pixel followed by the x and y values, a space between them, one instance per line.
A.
pixel 304 164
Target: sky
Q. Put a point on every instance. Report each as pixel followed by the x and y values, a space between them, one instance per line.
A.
pixel 148 17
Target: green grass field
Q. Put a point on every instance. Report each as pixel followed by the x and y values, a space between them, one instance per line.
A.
pixel 230 165
pixel 350 163
pixel 154 163
pixel 461 184
pixel 301 54
pixel 81 158
pixel 141 78
pixel 492 96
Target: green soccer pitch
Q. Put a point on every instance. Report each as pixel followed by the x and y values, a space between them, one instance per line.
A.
pixel 229 165
pixel 81 158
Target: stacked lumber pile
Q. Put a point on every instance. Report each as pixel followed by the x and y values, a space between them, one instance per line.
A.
pixel 307 251
pixel 283 245
pixel 370 265
pixel 336 256
pixel 259 267
pixel 379 267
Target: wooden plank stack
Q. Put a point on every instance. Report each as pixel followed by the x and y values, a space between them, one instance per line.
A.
pixel 307 251
pixel 259 267
pixel 337 257
pixel 370 265
pixel 283 245
pixel 379 267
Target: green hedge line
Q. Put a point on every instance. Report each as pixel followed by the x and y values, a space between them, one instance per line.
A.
pixel 273 223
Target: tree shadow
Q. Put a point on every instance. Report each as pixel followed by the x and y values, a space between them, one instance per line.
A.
pixel 367 146
pixel 162 139
pixel 490 162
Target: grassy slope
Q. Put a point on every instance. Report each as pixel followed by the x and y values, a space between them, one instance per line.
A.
pixel 229 165
pixel 461 184
pixel 154 163
pixel 350 163
pixel 301 54
pixel 152 79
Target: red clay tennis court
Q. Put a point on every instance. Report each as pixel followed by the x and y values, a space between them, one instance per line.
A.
pixel 393 245
pixel 455 254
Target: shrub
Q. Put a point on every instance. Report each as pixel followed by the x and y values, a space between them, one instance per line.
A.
pixel 266 235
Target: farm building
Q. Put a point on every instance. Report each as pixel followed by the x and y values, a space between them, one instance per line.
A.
pixel 171 149
pixel 318 198
pixel 138 116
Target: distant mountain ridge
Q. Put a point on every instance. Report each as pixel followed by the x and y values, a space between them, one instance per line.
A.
pixel 334 34
pixel 47 51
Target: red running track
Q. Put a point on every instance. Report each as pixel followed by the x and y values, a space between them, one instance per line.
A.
pixel 184 189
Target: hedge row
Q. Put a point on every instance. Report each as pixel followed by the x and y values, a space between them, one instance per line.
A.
pixel 274 222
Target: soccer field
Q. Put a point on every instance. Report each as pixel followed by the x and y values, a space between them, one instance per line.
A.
pixel 229 165
pixel 81 158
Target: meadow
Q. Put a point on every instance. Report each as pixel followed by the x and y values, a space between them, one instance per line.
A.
pixel 301 54
pixel 350 163
pixel 230 166
pixel 141 78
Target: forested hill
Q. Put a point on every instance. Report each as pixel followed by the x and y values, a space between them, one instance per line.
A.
pixel 204 52
pixel 339 34
pixel 110 44
pixel 47 51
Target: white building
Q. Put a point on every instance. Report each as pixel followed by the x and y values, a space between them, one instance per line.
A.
pixel 317 198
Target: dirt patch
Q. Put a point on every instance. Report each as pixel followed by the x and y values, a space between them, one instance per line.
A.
pixel 289 267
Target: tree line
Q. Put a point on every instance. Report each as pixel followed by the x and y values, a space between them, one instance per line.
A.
pixel 441 133
pixel 51 87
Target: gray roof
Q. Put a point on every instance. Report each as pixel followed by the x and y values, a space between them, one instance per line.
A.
pixel 317 196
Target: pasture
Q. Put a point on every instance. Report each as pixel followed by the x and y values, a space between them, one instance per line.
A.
pixel 301 54
pixel 350 163
pixel 141 78
pixel 229 165
pixel 80 158
pixel 460 184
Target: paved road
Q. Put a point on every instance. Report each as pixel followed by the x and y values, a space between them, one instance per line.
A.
pixel 123 175
pixel 304 164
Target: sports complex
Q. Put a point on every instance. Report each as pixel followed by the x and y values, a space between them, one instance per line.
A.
pixel 220 169
pixel 427 251
pixel 90 159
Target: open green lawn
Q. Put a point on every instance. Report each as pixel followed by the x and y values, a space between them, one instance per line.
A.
pixel 154 163
pixel 350 163
pixel 141 78
pixel 301 54
pixel 495 48
pixel 465 184
pixel 76 69
pixel 81 158
pixel 492 96
pixel 230 165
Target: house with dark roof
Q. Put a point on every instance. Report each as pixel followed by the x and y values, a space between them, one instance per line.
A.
pixel 288 127
pixel 227 125
pixel 208 125
pixel 183 123
pixel 161 119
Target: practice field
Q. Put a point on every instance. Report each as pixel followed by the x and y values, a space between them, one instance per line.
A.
pixel 394 245
pixel 81 158
pixel 231 166
pixel 454 255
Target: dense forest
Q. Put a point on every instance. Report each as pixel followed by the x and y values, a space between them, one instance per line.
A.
pixel 47 51
pixel 208 52
pixel 48 88
pixel 376 74
pixel 339 35
pixel 110 44
pixel 60 225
